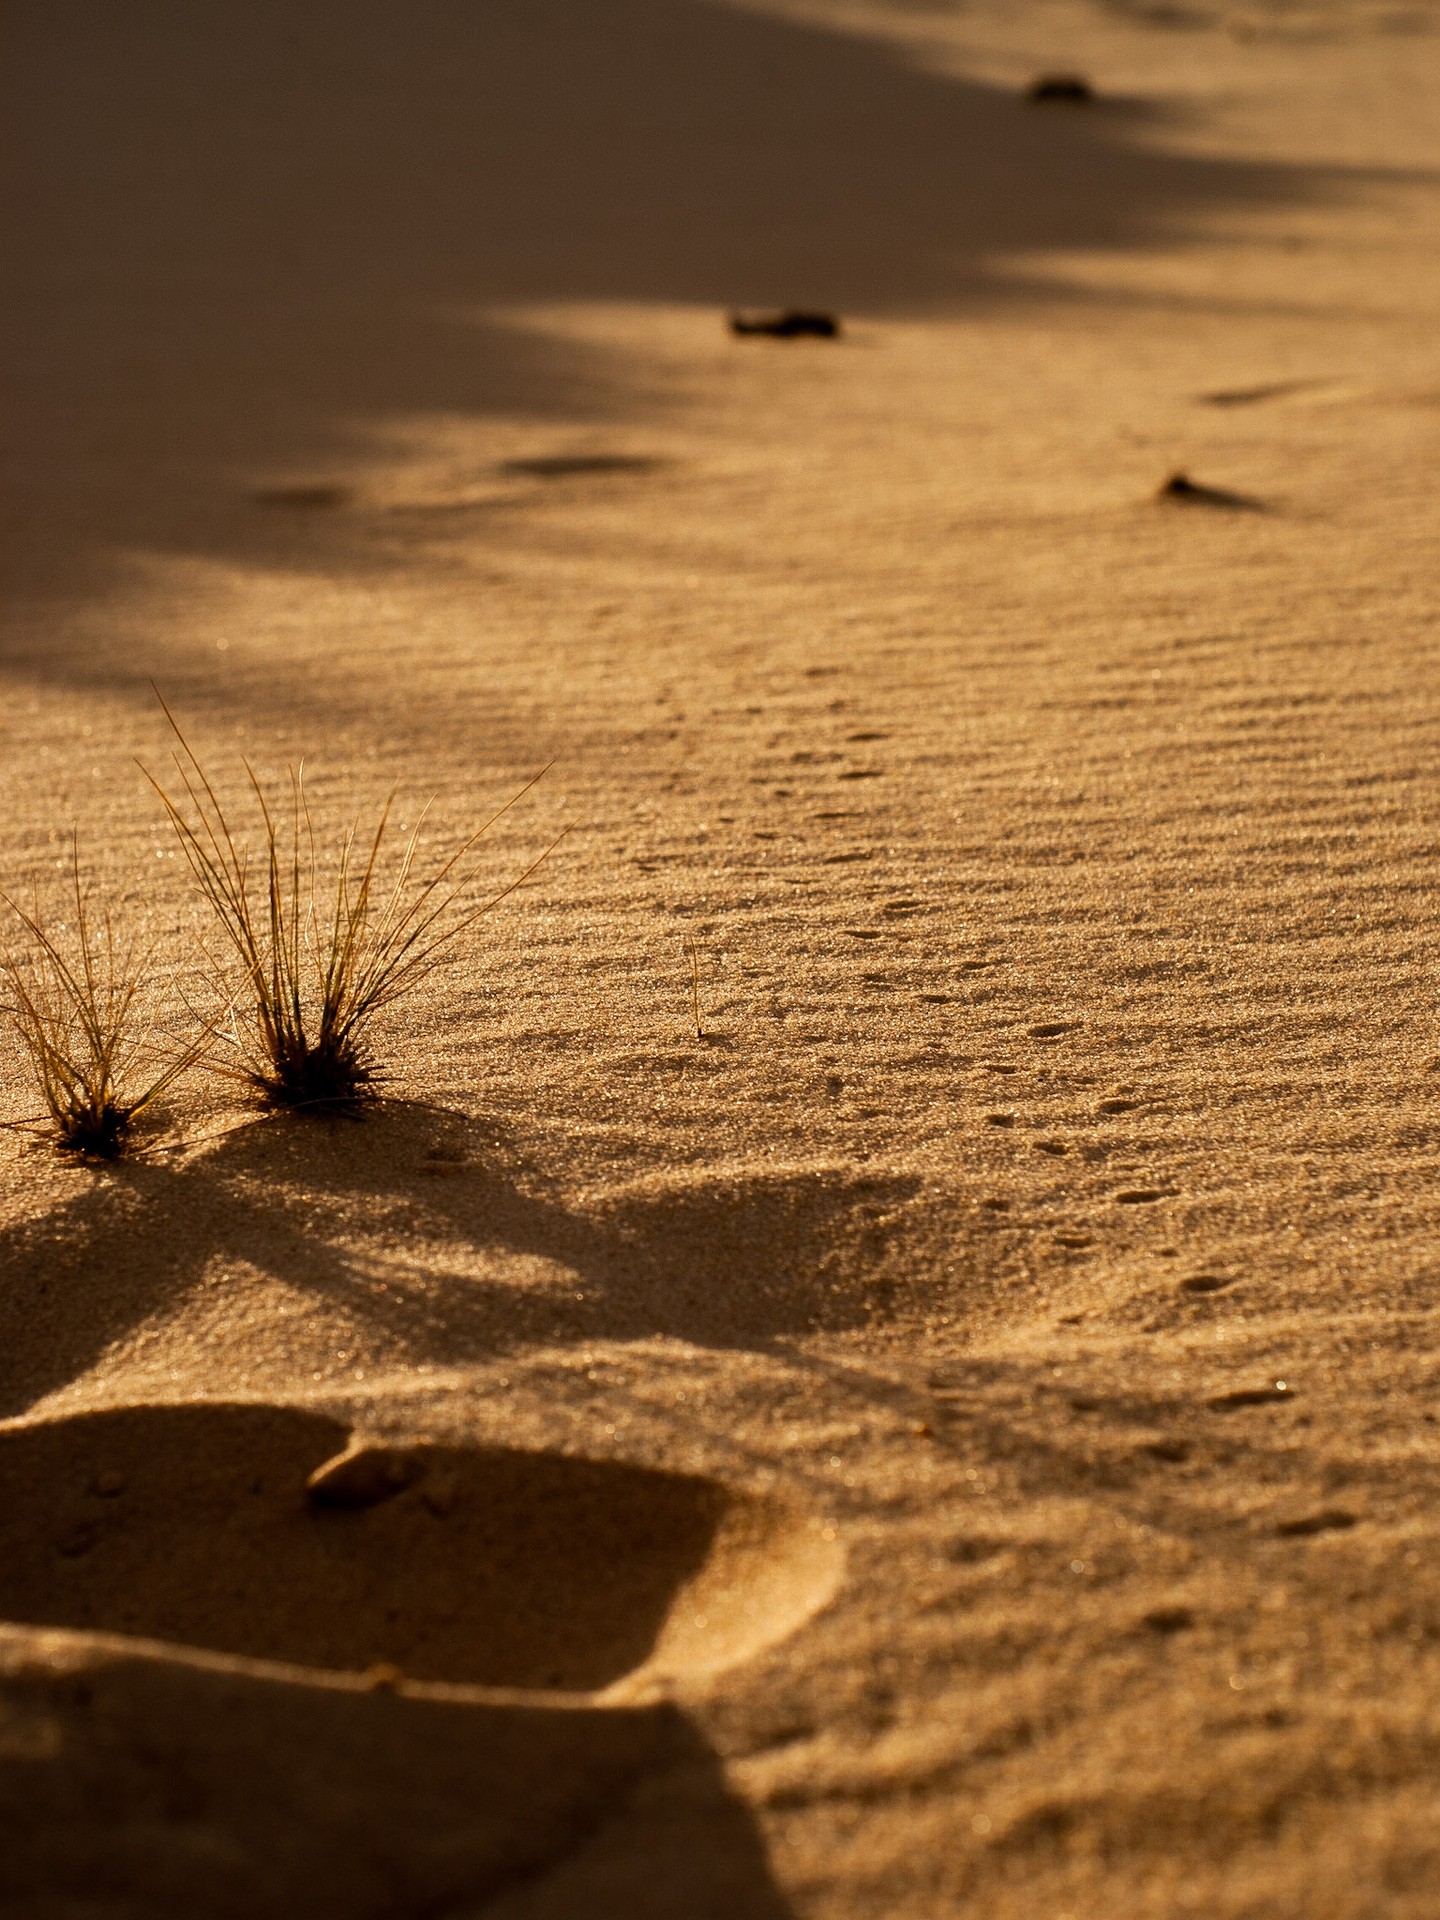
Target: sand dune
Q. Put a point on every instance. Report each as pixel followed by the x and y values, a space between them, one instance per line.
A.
pixel 955 1434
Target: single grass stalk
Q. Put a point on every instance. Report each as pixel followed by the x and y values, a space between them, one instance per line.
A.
pixel 694 953
pixel 78 1020
pixel 315 972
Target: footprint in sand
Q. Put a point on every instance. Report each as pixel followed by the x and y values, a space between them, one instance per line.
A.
pixel 1251 1396
pixel 1202 1283
pixel 1327 1520
pixel 268 1533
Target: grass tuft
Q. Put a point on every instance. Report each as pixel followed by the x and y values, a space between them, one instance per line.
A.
pixel 318 960
pixel 75 1007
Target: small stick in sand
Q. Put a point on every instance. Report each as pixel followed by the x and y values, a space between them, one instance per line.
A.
pixel 694 954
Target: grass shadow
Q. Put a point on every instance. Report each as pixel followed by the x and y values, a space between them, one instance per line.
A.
pixel 484 1252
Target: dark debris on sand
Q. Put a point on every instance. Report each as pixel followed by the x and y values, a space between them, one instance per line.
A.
pixel 1070 89
pixel 1180 487
pixel 793 323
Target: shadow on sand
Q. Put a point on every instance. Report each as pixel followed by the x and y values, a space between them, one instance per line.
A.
pixel 243 241
pixel 483 1255
pixel 187 1787
pixel 138 1783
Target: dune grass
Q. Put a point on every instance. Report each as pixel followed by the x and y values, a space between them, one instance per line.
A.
pixel 74 997
pixel 312 961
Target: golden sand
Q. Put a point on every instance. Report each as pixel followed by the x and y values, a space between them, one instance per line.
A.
pixel 957 1436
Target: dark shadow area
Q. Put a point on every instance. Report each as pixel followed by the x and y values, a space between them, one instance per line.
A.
pixel 237 241
pixel 184 1793
pixel 683 1847
pixel 725 1259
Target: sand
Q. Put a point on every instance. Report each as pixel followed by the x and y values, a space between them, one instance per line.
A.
pixel 957 1436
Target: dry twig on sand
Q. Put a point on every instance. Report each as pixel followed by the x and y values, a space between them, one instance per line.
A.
pixel 694 956
pixel 76 1010
pixel 317 961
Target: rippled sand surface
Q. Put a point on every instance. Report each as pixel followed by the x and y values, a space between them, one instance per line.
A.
pixel 879 1356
